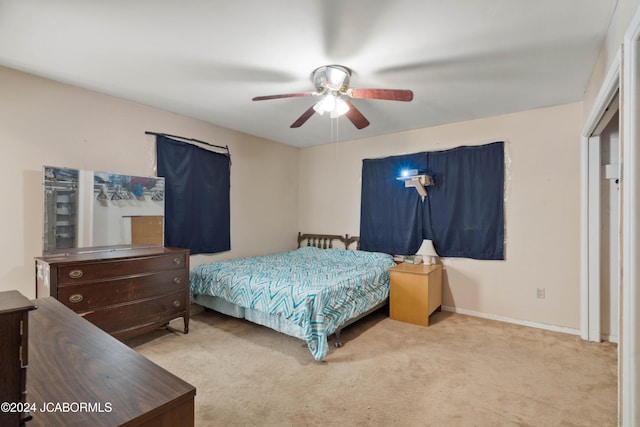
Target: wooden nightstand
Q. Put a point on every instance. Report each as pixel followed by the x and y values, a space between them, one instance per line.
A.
pixel 416 292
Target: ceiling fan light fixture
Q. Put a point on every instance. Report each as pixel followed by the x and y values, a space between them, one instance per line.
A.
pixel 341 108
pixel 328 103
pixel 331 104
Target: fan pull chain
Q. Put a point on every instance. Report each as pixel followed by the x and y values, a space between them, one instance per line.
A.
pixel 337 128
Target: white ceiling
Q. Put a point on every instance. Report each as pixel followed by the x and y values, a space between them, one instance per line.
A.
pixel 206 59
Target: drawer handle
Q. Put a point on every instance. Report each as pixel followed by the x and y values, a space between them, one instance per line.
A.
pixel 177 261
pixel 75 298
pixel 76 274
pixel 176 304
pixel 177 281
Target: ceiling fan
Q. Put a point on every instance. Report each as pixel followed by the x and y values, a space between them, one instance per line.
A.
pixel 332 84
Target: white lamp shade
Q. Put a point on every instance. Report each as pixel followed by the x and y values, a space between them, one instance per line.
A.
pixel 332 104
pixel 427 249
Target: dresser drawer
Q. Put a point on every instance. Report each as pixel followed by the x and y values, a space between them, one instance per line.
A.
pixel 89 295
pixel 73 273
pixel 119 318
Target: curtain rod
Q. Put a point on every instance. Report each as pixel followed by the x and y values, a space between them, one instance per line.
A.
pixel 226 147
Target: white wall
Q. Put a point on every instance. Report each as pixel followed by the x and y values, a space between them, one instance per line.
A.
pixel 542 209
pixel 47 123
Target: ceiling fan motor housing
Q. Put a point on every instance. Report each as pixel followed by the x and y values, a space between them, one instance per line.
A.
pixel 335 78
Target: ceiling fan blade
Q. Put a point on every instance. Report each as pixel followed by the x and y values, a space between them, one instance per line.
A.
pixel 388 94
pixel 304 117
pixel 356 117
pixel 285 95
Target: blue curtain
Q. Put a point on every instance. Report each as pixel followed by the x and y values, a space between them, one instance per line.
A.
pixel 197 202
pixel 390 215
pixel 463 212
pixel 464 209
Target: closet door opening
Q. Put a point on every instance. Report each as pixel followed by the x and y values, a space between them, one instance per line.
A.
pixel 601 227
pixel 610 279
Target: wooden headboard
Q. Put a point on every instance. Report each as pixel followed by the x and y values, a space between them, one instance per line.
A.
pixel 325 241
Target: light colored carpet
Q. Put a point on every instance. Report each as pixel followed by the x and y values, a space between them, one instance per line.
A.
pixel 460 371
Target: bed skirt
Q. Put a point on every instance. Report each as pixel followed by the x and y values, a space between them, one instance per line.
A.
pixel 274 322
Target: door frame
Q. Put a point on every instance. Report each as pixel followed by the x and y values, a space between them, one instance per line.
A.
pixel 624 75
pixel 590 209
pixel 629 348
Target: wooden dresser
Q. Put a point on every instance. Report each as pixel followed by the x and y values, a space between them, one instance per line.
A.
pixel 14 327
pixel 81 376
pixel 125 291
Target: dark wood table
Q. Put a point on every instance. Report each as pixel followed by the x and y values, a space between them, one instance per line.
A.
pixel 82 376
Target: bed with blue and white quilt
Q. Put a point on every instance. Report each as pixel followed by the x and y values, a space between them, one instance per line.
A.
pixel 309 293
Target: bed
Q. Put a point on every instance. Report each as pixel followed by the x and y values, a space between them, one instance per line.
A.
pixel 309 293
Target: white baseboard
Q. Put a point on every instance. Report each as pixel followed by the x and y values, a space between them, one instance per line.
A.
pixel 545 326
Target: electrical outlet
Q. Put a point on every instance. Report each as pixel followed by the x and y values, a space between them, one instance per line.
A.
pixel 540 293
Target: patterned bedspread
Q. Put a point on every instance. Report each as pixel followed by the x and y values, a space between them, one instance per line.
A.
pixel 316 289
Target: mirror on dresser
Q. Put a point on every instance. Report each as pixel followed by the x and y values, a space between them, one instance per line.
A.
pixel 103 254
pixel 86 209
